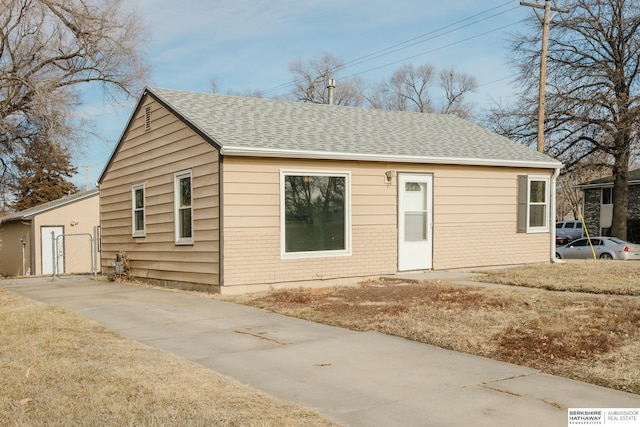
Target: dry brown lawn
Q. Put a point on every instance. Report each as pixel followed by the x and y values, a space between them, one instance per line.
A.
pixel 580 320
pixel 60 369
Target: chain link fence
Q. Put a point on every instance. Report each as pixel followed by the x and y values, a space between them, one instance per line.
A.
pixel 75 254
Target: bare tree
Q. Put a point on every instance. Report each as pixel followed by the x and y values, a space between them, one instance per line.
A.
pixel 410 88
pixel 214 87
pixel 48 49
pixel 569 199
pixel 593 103
pixel 456 85
pixel 423 89
pixel 310 82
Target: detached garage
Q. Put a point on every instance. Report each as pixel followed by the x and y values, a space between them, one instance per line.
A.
pixel 233 194
pixel 27 238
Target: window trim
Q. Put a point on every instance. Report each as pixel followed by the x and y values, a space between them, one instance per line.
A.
pixel 179 240
pixel 347 213
pixel 524 203
pixel 610 197
pixel 134 231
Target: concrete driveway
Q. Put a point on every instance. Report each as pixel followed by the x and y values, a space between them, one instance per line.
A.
pixel 355 378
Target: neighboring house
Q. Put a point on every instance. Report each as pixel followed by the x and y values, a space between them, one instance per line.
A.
pixel 227 194
pixel 27 237
pixel 598 203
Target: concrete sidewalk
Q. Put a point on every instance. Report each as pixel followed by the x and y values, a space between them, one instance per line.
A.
pixel 359 379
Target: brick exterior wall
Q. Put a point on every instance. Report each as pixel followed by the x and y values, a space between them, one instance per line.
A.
pixel 490 244
pixel 252 257
pixel 634 201
pixel 592 199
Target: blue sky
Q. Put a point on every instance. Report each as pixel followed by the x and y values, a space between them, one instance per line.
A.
pixel 248 45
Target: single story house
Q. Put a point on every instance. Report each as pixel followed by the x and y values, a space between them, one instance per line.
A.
pixel 232 194
pixel 27 238
pixel 597 204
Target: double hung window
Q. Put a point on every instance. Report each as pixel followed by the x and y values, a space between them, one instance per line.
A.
pixel 533 204
pixel 183 208
pixel 137 210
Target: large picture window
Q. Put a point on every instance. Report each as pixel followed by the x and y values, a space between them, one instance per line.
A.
pixel 183 208
pixel 533 204
pixel 315 214
pixel 137 210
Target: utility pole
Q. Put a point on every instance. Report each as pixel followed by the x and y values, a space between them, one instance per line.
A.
pixel 86 175
pixel 543 62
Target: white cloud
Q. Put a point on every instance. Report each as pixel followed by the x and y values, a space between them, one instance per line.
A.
pixel 248 44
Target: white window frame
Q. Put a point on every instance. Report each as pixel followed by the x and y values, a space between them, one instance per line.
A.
pixel 547 180
pixel 179 240
pixel 347 213
pixel 134 231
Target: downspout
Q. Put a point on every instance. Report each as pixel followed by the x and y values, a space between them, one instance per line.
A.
pixel 554 181
pixel 220 222
pixel 32 248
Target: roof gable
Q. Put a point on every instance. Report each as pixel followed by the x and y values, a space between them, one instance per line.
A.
pixel 265 127
pixel 49 206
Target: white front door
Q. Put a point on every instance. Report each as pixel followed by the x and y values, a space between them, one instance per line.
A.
pixel 47 240
pixel 415 216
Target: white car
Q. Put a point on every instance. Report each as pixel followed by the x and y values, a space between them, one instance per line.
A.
pixel 604 248
pixel 571 229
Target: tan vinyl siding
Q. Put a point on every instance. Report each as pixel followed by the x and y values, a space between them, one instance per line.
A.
pixel 77 220
pixel 152 157
pixel 252 224
pixel 474 221
pixel 77 248
pixel 11 248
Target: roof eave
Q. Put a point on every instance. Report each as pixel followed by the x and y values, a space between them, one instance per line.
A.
pixel 322 155
pixel 37 211
pixel 11 218
pixel 601 185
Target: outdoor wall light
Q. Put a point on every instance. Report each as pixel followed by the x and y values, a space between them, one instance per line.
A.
pixel 74 223
pixel 388 175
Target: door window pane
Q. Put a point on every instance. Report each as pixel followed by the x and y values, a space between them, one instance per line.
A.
pixel 415 226
pixel 415 211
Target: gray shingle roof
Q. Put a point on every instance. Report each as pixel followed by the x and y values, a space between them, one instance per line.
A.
pixel 256 126
pixel 45 207
pixel 634 179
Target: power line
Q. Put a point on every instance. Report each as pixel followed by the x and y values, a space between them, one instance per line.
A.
pixel 349 64
pixel 434 50
pixel 410 43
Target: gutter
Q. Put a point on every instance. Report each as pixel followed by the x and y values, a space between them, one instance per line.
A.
pixel 554 180
pixel 600 185
pixel 326 155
